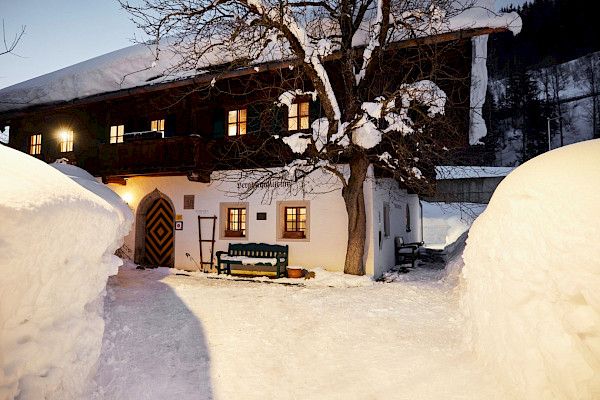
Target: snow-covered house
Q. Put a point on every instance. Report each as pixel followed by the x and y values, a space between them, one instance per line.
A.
pixel 163 145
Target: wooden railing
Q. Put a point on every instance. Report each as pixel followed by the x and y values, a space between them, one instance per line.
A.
pixel 181 154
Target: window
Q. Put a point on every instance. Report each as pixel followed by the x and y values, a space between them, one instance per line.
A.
pixel 35 145
pixel 233 221
pixel 66 141
pixel 116 133
pixel 236 222
pixel 158 125
pixel 386 219
pixel 407 218
pixel 295 223
pixel 298 116
pixel 293 220
pixel 236 122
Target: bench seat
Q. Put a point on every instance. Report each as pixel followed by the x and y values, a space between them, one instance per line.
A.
pixel 253 259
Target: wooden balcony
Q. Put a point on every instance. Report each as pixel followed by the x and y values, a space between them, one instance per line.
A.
pixel 188 155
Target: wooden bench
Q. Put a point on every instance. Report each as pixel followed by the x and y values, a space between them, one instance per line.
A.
pixel 253 259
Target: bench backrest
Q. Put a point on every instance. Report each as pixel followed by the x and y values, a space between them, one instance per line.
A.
pixel 262 250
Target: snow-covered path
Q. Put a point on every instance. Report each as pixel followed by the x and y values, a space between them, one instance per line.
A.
pixel 179 337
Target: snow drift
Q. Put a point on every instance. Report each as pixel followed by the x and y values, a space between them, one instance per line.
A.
pixel 57 241
pixel 532 273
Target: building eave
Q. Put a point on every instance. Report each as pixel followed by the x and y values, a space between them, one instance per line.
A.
pixel 203 79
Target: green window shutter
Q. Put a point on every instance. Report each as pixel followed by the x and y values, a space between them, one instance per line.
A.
pixel 218 118
pixel 278 120
pixel 314 110
pixel 253 119
pixel 170 125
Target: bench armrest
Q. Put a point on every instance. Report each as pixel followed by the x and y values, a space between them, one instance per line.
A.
pixel 220 253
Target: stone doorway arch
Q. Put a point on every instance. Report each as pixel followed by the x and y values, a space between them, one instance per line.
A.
pixel 154 230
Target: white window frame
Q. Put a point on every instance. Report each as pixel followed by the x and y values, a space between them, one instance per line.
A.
pixel 116 133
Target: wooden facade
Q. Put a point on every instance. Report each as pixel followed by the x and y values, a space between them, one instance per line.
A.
pixel 195 113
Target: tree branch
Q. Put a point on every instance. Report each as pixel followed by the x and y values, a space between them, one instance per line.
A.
pixel 9 47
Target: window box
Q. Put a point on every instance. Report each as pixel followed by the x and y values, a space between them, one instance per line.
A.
pixel 229 233
pixel 294 235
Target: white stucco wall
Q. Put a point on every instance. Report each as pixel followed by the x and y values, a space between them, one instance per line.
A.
pixel 325 248
pixel 387 191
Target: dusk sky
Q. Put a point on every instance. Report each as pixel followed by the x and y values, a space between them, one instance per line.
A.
pixel 60 33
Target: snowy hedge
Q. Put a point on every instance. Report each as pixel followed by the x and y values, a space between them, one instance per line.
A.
pixel 57 241
pixel 532 276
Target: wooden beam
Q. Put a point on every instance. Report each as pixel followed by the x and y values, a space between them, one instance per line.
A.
pixel 119 180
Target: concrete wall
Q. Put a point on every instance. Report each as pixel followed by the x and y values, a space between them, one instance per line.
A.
pixel 325 247
pixel 387 193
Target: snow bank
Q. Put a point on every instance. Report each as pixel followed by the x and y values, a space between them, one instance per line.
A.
pixel 444 223
pixel 532 273
pixel 57 241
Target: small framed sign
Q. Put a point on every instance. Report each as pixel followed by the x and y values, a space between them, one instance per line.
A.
pixel 178 225
pixel 188 201
pixel 261 216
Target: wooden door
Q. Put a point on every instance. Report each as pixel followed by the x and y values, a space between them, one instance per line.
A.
pixel 159 234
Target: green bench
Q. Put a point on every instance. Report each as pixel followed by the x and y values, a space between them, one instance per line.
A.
pixel 253 259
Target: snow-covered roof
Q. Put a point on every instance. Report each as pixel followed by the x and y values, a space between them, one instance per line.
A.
pixel 141 65
pixel 469 172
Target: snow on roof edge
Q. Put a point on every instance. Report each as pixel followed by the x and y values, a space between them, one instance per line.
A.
pixel 137 66
pixel 445 172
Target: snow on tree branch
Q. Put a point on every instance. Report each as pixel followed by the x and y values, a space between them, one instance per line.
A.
pixel 374 41
pixel 288 97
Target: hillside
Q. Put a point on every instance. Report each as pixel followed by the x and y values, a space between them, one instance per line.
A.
pixel 519 107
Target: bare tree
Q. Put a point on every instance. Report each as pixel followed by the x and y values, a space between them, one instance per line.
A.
pixel 11 45
pixel 590 74
pixel 558 84
pixel 376 108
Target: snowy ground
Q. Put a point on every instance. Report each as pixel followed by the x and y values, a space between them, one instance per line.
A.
pixel 191 337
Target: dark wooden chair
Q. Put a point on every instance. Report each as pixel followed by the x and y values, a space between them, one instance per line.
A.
pixel 406 252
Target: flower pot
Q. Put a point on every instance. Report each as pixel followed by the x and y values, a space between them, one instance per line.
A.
pixel 293 272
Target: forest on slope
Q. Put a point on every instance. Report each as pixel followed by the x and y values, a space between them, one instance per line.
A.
pixel 543 90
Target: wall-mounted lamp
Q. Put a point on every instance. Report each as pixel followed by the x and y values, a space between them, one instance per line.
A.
pixel 127 198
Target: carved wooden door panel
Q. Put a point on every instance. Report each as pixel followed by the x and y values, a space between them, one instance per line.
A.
pixel 159 234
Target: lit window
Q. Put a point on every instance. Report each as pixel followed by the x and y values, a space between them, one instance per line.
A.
pixel 66 141
pixel 236 222
pixel 298 118
pixel 158 125
pixel 236 122
pixel 35 145
pixel 295 222
pixel 116 133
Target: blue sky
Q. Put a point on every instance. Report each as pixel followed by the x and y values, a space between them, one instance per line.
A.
pixel 60 33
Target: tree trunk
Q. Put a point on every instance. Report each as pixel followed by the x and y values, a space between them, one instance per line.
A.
pixel 354 198
pixel 557 85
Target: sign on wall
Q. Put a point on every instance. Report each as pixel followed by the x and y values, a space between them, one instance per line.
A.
pixel 178 225
pixel 188 202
